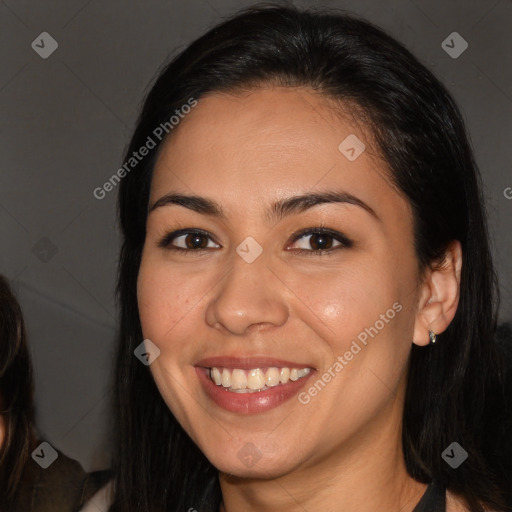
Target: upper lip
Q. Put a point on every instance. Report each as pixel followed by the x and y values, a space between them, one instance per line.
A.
pixel 248 362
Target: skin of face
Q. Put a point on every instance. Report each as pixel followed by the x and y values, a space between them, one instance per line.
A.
pixel 246 150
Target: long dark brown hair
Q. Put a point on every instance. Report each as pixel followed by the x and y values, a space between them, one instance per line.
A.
pixel 16 395
pixel 454 386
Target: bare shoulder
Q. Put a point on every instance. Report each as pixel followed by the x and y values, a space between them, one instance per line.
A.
pixel 101 500
pixel 454 503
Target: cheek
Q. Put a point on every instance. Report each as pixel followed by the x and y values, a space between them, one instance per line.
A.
pixel 163 297
pixel 168 302
pixel 361 318
pixel 348 301
pixel 364 317
pixel 167 312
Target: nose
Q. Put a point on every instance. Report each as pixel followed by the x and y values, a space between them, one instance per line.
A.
pixel 249 295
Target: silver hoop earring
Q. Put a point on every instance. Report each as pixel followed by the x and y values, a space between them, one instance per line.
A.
pixel 432 336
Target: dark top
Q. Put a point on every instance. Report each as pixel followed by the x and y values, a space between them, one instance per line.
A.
pixel 433 500
pixel 62 487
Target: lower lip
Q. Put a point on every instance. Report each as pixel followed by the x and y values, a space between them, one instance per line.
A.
pixel 250 403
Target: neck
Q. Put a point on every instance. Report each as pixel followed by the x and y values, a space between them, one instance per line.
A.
pixel 364 474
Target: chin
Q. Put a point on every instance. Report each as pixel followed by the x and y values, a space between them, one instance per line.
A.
pixel 249 462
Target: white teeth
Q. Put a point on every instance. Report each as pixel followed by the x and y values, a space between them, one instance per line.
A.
pixel 256 379
pixel 226 378
pixel 216 376
pixel 238 379
pixel 250 381
pixel 272 377
pixel 303 372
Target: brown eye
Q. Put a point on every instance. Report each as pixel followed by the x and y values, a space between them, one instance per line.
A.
pixel 319 241
pixel 195 241
pixel 186 241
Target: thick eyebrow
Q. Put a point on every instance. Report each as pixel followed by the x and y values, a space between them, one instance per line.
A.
pixel 278 210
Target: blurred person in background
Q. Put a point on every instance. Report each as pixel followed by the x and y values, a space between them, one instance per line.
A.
pixel 24 485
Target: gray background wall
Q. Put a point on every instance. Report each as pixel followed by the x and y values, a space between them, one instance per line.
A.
pixel 64 125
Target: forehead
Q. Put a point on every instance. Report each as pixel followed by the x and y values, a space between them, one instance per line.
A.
pixel 266 144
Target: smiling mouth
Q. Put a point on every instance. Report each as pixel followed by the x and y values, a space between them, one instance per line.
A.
pixel 254 380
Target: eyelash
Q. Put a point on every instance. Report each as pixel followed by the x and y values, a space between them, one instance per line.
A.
pixel 165 242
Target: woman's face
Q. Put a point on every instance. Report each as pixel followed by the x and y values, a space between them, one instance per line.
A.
pixel 252 293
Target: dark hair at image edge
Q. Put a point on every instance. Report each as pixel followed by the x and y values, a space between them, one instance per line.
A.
pixel 16 395
pixel 455 387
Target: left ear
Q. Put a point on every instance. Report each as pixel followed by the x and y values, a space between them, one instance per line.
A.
pixel 439 296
